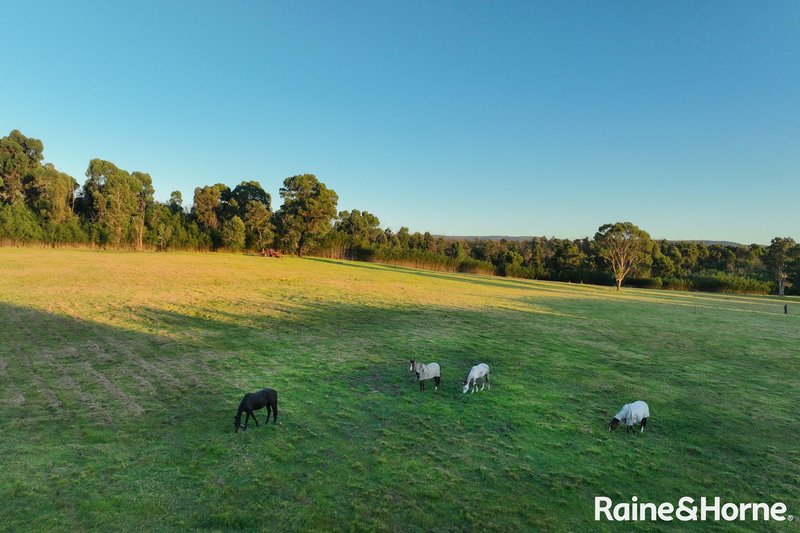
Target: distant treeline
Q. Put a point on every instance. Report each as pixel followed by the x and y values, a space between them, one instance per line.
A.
pixel 116 209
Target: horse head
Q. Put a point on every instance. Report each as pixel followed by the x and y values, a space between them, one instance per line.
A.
pixel 237 422
pixel 413 364
pixel 614 424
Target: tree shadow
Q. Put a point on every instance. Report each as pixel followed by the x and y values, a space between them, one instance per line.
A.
pixel 94 371
pixel 93 398
pixel 475 279
pixel 199 359
pixel 759 303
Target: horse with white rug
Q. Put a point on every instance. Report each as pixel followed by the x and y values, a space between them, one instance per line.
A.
pixel 426 372
pixel 477 372
pixel 631 413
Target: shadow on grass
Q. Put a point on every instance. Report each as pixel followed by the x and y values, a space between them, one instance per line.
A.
pixel 759 303
pixel 475 279
pixel 208 357
pixel 352 413
pixel 91 370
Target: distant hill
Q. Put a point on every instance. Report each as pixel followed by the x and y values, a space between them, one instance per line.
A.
pixel 527 238
pixel 482 237
pixel 709 243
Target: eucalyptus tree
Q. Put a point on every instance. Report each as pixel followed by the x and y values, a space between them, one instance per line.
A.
pixel 245 193
pixel 117 200
pixel 252 204
pixel 782 253
pixel 233 234
pixel 361 227
pixel 567 256
pixel 625 247
pixel 175 203
pixel 20 157
pixel 308 210
pixel 142 184
pixel 259 230
pixel 51 193
pixel 402 237
pixel 207 206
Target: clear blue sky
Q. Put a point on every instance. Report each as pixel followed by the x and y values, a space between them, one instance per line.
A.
pixel 461 118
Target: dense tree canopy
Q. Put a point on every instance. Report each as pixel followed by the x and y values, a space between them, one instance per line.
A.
pixel 208 207
pixel 116 201
pixel 258 225
pixel 116 208
pixel 20 157
pixel 307 213
pixel 244 194
pixel 233 234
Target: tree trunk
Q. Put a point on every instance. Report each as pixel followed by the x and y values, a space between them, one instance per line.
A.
pixel 781 286
pixel 619 284
pixel 139 235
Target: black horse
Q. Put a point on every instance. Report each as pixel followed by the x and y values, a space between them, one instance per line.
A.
pixel 253 401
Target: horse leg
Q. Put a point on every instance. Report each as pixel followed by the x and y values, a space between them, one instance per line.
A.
pixel 483 383
pixel 644 423
pixel 437 380
pixel 488 383
pixel 421 385
pixel 254 418
pixel 275 412
pixel 269 410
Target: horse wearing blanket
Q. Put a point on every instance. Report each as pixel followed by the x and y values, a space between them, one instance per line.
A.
pixel 426 372
pixel 630 414
pixel 477 372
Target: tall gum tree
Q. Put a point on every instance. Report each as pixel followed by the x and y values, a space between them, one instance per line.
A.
pixel 307 213
pixel 20 157
pixel 625 247
pixel 117 200
pixel 782 253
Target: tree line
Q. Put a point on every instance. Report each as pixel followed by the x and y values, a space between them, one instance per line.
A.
pixel 115 208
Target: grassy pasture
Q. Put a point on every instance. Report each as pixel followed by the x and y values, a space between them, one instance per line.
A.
pixel 120 374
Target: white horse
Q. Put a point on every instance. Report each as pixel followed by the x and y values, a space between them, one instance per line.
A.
pixel 475 373
pixel 426 372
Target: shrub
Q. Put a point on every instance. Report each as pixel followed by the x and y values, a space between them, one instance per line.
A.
pixel 474 266
pixel 233 234
pixel 645 283
pixel 730 283
pixel 66 232
pixel 719 282
pixel 677 284
pixel 19 224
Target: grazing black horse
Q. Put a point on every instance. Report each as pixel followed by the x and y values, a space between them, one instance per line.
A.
pixel 253 401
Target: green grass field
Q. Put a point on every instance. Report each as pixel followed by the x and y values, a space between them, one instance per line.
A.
pixel 120 374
